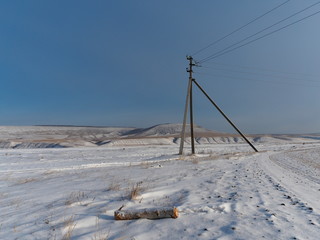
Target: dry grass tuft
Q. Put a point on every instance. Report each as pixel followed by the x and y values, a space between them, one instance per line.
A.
pixel 49 172
pixel 114 186
pixel 3 195
pixel 69 224
pixel 205 151
pixel 145 164
pixel 26 180
pixel 195 160
pixel 76 197
pixel 100 235
pixel 136 190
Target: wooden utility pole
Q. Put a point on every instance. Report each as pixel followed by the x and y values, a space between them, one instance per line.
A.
pixel 191 104
pixel 183 131
pixel 189 98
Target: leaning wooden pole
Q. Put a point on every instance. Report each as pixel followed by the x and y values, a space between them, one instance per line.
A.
pixel 224 115
pixel 183 131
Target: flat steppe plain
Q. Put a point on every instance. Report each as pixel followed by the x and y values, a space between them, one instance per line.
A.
pixel 225 191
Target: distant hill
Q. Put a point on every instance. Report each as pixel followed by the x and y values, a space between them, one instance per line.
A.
pixel 168 129
pixel 162 134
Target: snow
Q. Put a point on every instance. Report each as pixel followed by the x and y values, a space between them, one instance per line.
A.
pixel 225 191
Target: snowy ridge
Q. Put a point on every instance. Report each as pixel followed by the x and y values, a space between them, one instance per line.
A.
pixel 163 134
pixel 166 130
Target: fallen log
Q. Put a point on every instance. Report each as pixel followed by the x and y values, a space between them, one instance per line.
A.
pixel 149 213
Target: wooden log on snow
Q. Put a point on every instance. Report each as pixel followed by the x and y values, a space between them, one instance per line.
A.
pixel 149 213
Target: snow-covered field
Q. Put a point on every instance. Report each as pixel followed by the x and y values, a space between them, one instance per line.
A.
pixel 226 191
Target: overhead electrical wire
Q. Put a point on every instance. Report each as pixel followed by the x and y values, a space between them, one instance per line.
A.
pixel 225 51
pixel 262 69
pixel 221 51
pixel 265 75
pixel 238 29
pixel 258 80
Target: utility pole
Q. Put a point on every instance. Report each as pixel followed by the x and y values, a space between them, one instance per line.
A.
pixel 189 98
pixel 191 64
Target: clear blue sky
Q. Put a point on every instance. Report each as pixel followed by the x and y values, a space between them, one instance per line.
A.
pixel 122 63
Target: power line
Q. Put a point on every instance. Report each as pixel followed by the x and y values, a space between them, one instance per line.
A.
pixel 262 69
pixel 219 53
pixel 258 80
pixel 238 29
pixel 256 39
pixel 264 74
pixel 312 5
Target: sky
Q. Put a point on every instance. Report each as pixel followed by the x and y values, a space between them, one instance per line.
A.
pixel 123 63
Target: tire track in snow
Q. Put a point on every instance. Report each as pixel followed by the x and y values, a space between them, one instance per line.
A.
pixel 247 193
pixel 91 165
pixel 289 208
